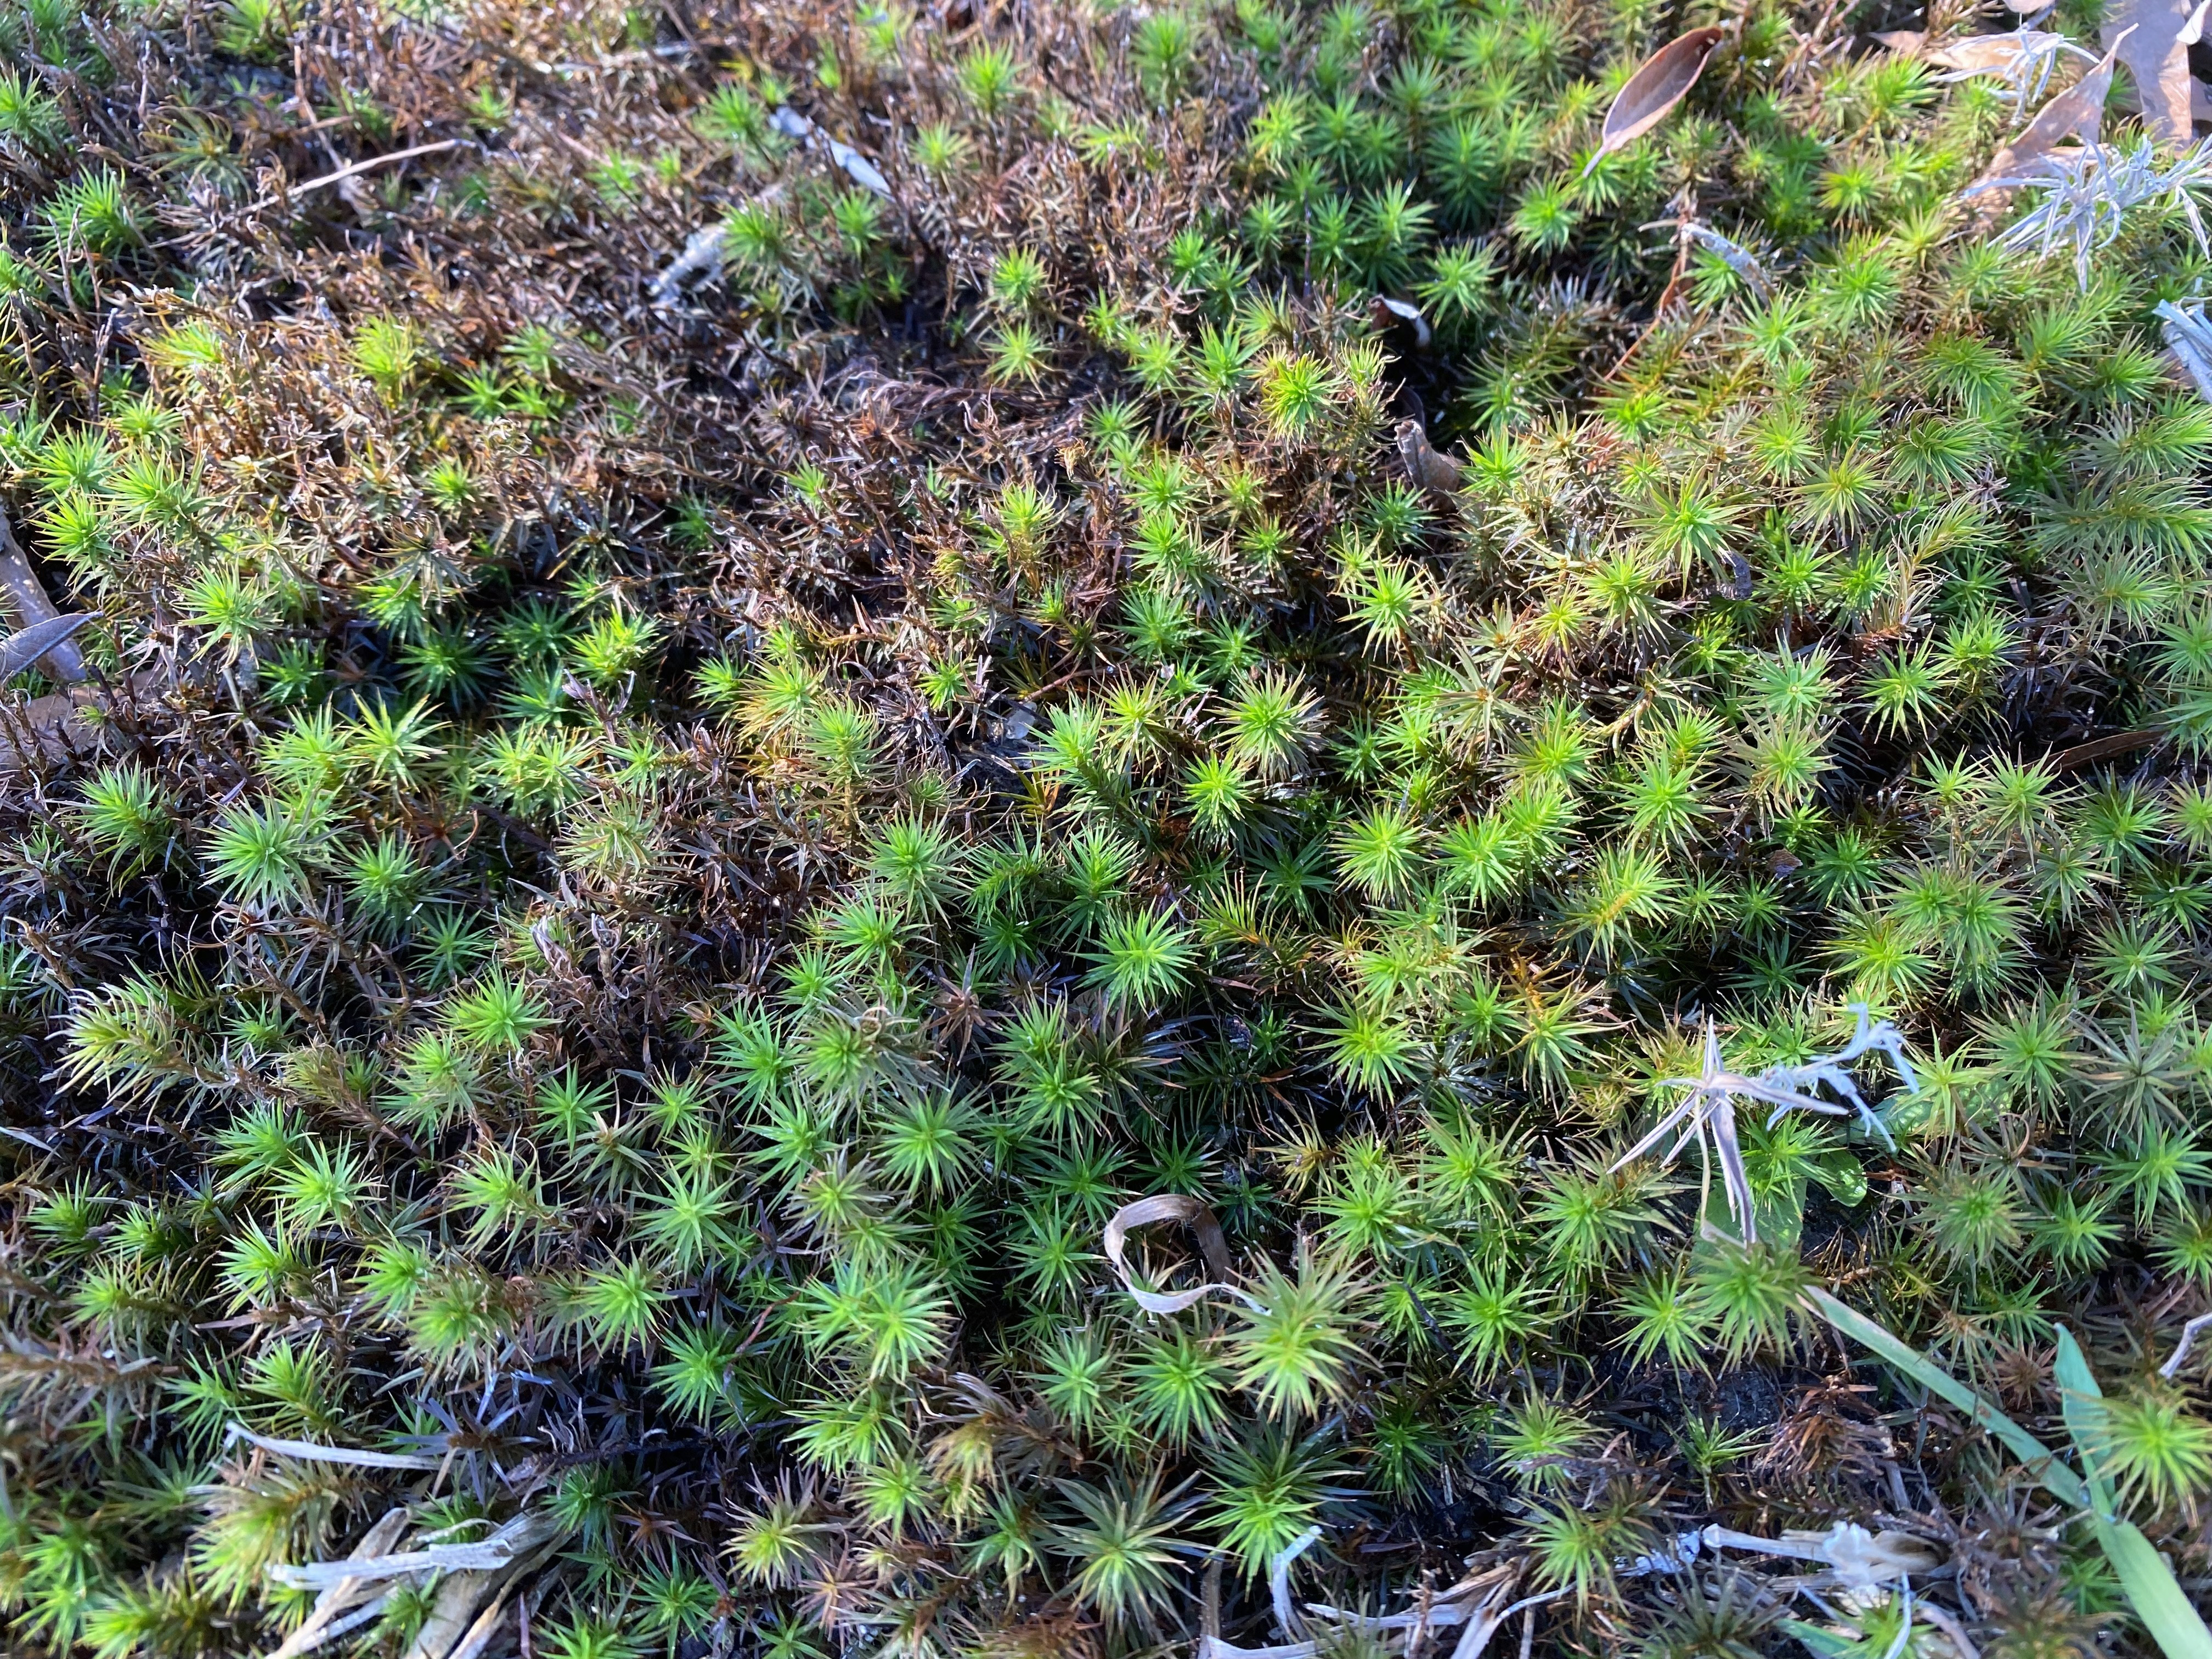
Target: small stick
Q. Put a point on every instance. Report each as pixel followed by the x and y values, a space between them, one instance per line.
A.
pixel 2202 1321
pixel 352 170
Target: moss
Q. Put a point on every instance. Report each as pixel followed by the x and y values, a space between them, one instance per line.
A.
pixel 678 820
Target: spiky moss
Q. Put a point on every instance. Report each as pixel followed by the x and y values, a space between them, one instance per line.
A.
pixel 692 858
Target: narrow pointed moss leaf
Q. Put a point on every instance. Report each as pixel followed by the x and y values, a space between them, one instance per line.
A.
pixel 2061 1481
pixel 1649 95
pixel 2151 1588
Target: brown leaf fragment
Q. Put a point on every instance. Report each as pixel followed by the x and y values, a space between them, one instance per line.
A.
pixel 1424 465
pixel 1649 95
pixel 1907 41
pixel 2147 36
pixel 2098 749
pixel 42 639
pixel 1990 54
pixel 27 597
pixel 2076 113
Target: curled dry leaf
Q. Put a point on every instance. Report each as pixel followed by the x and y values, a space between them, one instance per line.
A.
pixel 1171 1206
pixel 1992 54
pixel 1385 311
pixel 1662 80
pixel 1426 465
pixel 27 597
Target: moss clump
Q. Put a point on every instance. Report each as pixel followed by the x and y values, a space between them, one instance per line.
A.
pixel 707 749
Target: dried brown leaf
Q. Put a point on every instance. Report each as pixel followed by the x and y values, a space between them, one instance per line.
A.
pixel 1649 95
pixel 2076 113
pixel 2147 36
pixel 1424 465
pixel 1990 54
pixel 22 649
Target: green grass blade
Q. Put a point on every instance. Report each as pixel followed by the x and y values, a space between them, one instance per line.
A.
pixel 2153 1591
pixel 2077 1387
pixel 1827 1643
pixel 2059 1480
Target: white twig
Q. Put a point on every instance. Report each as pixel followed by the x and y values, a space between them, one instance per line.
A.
pixel 324 1623
pixel 701 257
pixel 517 1537
pixel 857 167
pixel 353 170
pixel 2172 1366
